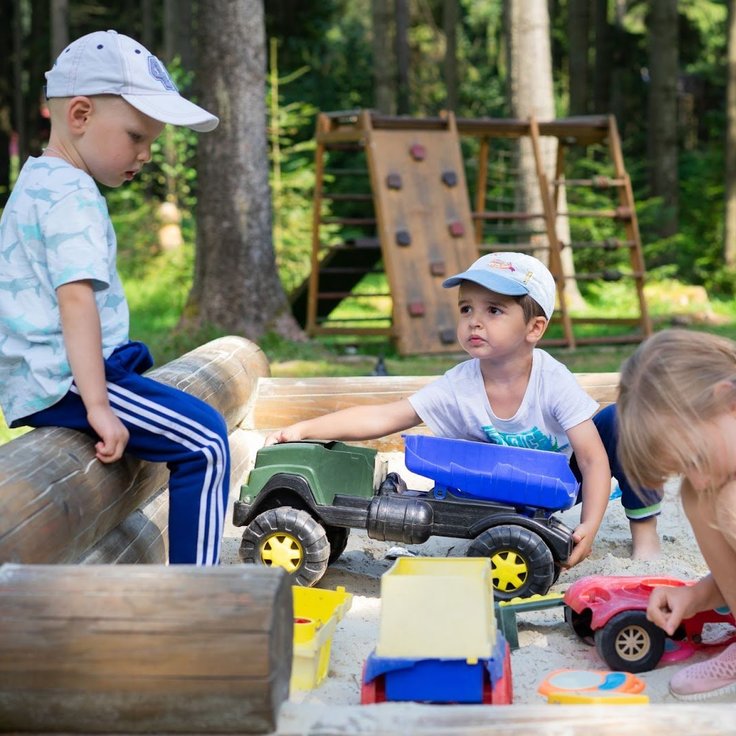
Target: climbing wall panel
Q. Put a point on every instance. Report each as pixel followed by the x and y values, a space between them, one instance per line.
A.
pixel 425 227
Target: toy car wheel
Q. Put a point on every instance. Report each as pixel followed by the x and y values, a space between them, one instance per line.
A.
pixel 522 564
pixel 288 538
pixel 630 643
pixel 337 536
pixel 580 624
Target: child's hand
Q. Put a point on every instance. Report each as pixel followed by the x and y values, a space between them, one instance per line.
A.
pixel 288 434
pixel 582 538
pixel 112 433
pixel 668 606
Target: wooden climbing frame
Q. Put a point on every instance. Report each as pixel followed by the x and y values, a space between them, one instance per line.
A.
pixel 391 199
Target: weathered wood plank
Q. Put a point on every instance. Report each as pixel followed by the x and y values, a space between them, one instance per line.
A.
pixel 57 500
pixel 143 648
pixel 393 719
pixel 282 401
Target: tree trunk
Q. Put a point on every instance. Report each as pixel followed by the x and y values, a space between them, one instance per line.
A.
pixel 236 285
pixel 531 94
pixel 402 55
pixel 602 32
pixel 178 32
pixel 729 245
pixel 147 32
pixel 578 23
pixel 59 27
pixel 384 57
pixel 449 21
pixel 662 23
pixel 6 100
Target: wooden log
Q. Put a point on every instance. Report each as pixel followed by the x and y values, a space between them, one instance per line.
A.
pixel 57 500
pixel 282 401
pixel 143 648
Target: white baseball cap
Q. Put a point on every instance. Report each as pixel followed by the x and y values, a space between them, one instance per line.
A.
pixel 513 274
pixel 109 63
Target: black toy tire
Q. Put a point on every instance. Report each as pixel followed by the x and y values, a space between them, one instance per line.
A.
pixel 522 563
pixel 337 536
pixel 289 538
pixel 630 643
pixel 580 623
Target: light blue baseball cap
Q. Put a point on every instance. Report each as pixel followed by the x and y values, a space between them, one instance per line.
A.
pixel 512 274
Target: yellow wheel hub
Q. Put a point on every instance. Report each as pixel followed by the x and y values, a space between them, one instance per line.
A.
pixel 509 570
pixel 282 550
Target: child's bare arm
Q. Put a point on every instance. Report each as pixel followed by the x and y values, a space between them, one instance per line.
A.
pixel 80 323
pixel 354 423
pixel 714 525
pixel 596 486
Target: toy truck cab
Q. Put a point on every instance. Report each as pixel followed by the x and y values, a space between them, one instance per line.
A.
pixel 302 498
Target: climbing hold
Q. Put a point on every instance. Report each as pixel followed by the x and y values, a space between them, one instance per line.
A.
pixel 418 152
pixel 447 335
pixel 449 178
pixel 393 181
pixel 403 237
pixel 456 229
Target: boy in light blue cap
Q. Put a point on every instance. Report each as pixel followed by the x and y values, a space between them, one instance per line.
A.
pixel 66 359
pixel 510 392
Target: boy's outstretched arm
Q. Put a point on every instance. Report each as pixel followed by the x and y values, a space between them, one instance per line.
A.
pixel 80 324
pixel 596 486
pixel 353 423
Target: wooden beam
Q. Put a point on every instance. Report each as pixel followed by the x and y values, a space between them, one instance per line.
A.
pixel 509 720
pixel 143 648
pixel 57 500
pixel 281 401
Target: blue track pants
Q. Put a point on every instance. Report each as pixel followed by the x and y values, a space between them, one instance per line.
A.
pixel 638 505
pixel 169 426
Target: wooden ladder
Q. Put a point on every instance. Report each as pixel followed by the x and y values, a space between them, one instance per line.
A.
pixel 543 240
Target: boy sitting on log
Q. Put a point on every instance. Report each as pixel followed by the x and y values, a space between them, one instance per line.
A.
pixel 65 356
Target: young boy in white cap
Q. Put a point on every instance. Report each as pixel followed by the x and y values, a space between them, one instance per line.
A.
pixel 65 355
pixel 509 392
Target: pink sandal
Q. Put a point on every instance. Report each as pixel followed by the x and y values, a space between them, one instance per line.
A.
pixel 709 679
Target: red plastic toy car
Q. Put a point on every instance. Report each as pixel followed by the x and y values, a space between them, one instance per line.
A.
pixel 611 611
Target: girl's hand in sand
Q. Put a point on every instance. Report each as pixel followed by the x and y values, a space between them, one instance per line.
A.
pixel 668 606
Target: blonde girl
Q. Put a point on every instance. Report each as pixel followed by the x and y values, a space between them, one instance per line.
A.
pixel 677 417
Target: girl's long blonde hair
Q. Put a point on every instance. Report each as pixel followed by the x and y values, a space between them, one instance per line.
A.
pixel 674 381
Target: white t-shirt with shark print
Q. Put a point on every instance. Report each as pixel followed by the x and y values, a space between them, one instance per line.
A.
pixel 55 229
pixel 456 405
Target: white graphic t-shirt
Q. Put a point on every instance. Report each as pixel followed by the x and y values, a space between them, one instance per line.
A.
pixel 55 229
pixel 456 405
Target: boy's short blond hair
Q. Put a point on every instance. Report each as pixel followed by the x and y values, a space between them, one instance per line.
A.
pixel 675 380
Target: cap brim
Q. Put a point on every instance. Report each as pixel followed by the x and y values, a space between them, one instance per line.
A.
pixel 174 109
pixel 493 281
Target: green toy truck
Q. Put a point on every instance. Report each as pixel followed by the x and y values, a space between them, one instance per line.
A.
pixel 302 498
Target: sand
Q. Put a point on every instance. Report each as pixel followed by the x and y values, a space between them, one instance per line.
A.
pixel 546 642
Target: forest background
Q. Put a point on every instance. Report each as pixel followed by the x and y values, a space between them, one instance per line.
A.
pixel 665 68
